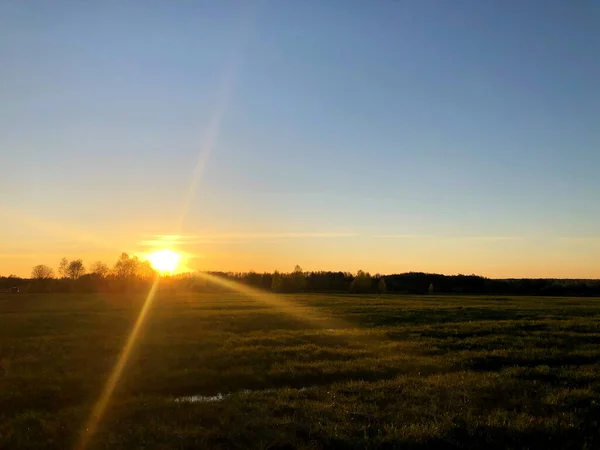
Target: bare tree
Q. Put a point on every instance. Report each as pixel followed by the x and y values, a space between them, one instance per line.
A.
pixel 63 268
pixel 100 269
pixel 145 270
pixel 126 266
pixel 75 269
pixel 41 271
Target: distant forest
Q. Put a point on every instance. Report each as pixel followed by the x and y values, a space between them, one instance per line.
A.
pixel 130 274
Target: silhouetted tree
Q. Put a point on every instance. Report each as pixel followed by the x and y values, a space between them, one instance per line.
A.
pixel 100 269
pixel 277 282
pixel 361 283
pixel 126 266
pixel 144 270
pixel 42 272
pixel 131 274
pixel 63 268
pixel 252 279
pixel 75 269
pixel 381 286
pixel 297 280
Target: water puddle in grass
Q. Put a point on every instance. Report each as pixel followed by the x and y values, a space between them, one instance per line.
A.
pixel 219 397
pixel 201 398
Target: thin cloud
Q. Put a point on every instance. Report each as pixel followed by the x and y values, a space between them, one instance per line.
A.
pixel 237 238
pixel 230 238
pixel 491 238
pixel 174 237
pixel 169 239
pixel 163 242
pixel 404 236
pixel 579 238
pixel 285 235
pixel 429 236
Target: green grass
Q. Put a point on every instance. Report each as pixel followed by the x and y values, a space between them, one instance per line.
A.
pixel 365 372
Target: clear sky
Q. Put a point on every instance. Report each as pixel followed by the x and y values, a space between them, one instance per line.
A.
pixel 387 135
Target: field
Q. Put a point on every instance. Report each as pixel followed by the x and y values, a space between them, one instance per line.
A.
pixel 226 371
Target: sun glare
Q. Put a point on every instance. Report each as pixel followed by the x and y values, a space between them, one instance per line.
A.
pixel 164 261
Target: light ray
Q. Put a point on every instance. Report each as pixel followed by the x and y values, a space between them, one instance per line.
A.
pixel 304 313
pixel 210 136
pixel 213 129
pixel 102 402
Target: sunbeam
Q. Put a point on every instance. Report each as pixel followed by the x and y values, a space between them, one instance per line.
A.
pixel 304 313
pixel 211 133
pixel 100 406
pixel 208 142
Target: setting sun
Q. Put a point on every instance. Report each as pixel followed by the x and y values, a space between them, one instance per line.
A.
pixel 164 261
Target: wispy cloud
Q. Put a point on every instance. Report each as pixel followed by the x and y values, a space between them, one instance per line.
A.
pixel 490 238
pixel 430 236
pixel 228 238
pixel 283 235
pixel 404 236
pixel 579 238
pixel 237 238
pixel 169 239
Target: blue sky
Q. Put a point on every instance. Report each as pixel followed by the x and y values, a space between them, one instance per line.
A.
pixel 388 135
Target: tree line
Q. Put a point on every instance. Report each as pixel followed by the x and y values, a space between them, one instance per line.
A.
pixel 126 267
pixel 129 273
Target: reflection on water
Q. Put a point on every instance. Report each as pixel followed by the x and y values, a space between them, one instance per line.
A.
pixel 201 398
pixel 218 397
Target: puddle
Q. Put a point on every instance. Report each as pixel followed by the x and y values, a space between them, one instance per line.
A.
pixel 201 398
pixel 219 397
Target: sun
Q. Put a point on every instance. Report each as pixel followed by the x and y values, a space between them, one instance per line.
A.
pixel 164 261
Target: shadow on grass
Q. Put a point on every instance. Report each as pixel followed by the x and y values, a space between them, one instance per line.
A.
pixel 461 436
pixel 495 438
pixel 496 363
pixel 531 335
pixel 557 380
pixel 435 316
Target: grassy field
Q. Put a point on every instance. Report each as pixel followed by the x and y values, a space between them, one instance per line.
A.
pixel 348 372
